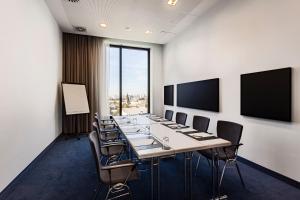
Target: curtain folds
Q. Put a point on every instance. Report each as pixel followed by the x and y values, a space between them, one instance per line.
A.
pixel 104 79
pixel 81 64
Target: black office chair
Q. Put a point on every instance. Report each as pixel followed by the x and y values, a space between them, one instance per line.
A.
pixel 181 118
pixel 201 124
pixel 232 132
pixel 115 175
pixel 169 115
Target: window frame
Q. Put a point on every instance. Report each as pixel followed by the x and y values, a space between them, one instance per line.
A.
pixel 121 47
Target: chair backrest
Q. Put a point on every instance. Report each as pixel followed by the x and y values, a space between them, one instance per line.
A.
pixel 230 131
pixel 169 115
pixel 97 120
pixel 181 118
pixel 95 147
pixel 98 116
pixel 200 123
pixel 96 128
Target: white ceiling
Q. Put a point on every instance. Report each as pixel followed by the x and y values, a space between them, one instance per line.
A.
pixel 163 20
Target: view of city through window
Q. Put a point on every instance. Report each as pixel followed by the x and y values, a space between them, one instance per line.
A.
pixel 134 77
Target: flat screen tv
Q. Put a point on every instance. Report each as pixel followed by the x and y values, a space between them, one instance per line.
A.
pixel 169 95
pixel 203 95
pixel 267 94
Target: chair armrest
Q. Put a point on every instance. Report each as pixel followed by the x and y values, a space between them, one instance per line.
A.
pixel 107 132
pixel 114 149
pixel 105 120
pixel 112 144
pixel 107 128
pixel 107 123
pixel 236 146
pixel 114 134
pixel 110 167
pixel 109 137
pixel 125 170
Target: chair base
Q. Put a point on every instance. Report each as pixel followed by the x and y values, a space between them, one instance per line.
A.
pixel 117 191
pixel 220 197
pixel 235 164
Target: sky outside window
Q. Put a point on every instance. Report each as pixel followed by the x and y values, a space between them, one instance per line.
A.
pixel 135 72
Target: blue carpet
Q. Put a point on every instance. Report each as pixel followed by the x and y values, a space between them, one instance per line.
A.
pixel 67 171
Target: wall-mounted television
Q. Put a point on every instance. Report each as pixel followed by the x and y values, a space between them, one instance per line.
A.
pixel 267 94
pixel 169 95
pixel 203 95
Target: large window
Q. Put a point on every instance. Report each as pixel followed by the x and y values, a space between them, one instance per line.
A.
pixel 128 80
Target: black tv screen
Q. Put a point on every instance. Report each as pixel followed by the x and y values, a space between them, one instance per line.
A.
pixel 203 95
pixel 169 95
pixel 267 94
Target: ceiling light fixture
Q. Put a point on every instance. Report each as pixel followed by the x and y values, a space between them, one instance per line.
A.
pixel 127 28
pixel 148 32
pixel 103 25
pixel 172 2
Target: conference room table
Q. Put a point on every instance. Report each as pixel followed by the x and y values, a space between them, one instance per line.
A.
pixel 153 137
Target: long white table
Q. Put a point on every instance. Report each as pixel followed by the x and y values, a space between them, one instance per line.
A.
pixel 151 139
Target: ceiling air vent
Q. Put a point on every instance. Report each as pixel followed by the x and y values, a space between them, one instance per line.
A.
pixel 80 28
pixel 73 1
pixel 167 32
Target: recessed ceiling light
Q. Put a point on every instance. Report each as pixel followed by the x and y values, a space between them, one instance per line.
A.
pixel 127 28
pixel 172 2
pixel 103 25
pixel 148 32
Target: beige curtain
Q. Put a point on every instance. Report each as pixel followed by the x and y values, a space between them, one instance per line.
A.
pixel 81 64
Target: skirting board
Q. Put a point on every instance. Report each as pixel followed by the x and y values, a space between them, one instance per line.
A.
pixel 10 186
pixel 276 175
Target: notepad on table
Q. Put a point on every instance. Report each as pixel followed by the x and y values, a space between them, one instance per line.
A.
pixel 142 142
pixel 168 123
pixel 200 135
pixel 187 130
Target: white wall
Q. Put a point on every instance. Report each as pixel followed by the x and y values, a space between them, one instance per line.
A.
pixel 30 73
pixel 233 37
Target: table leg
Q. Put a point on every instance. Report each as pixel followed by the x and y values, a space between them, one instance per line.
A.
pixel 215 179
pixel 158 179
pixel 129 152
pixel 155 178
pixel 219 196
pixel 213 175
pixel 218 181
pixel 188 175
pixel 185 177
pixel 152 174
pixel 191 176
